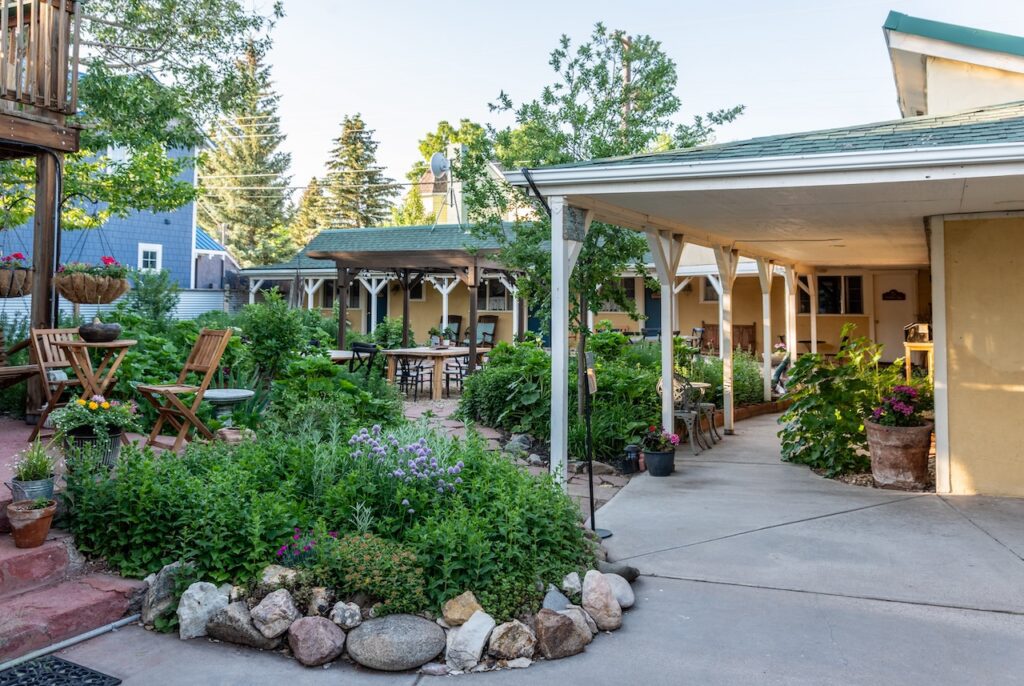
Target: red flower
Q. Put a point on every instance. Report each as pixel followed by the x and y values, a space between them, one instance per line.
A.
pixel 17 256
pixel 108 260
pixel 652 428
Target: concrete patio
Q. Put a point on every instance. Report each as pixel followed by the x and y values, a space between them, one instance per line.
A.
pixel 754 571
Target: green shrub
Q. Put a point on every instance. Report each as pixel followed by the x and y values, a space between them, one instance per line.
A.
pixel 154 297
pixel 388 334
pixel 365 563
pixel 748 387
pixel 273 332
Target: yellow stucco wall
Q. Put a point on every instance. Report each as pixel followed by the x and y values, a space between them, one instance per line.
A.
pixel 955 86
pixel 985 355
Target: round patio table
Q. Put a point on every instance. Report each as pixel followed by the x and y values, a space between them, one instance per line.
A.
pixel 98 380
pixel 224 399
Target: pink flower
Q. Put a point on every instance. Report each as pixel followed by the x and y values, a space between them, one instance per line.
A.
pixel 108 260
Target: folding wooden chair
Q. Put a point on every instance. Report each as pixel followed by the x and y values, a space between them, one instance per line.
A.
pixel 204 359
pixel 52 360
pixel 10 375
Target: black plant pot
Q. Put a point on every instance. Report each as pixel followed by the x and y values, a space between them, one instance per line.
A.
pixel 660 464
pixel 107 448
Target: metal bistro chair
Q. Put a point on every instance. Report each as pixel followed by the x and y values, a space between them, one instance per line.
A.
pixel 455 370
pixel 687 410
pixel 411 374
pixel 363 354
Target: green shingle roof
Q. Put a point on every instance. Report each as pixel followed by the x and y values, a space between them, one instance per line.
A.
pixel 383 239
pixel 994 124
pixel 954 33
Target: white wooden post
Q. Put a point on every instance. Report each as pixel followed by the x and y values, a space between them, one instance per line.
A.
pixel 812 290
pixel 564 252
pixel 676 290
pixel 444 285
pixel 943 475
pixel 792 288
pixel 666 249
pixel 765 272
pixel 727 259
pixel 311 286
pixel 253 287
pixel 716 283
pixel 510 284
pixel 374 285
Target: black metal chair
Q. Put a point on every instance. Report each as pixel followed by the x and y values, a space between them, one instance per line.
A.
pixel 411 374
pixel 455 370
pixel 363 354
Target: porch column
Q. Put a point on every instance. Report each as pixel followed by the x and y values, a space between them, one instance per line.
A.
pixel 677 288
pixel 473 283
pixel 727 259
pixel 567 234
pixel 444 285
pixel 344 280
pixel 311 286
pixel 374 285
pixel 404 276
pixel 666 249
pixel 254 286
pixel 792 289
pixel 509 283
pixel 716 283
pixel 812 290
pixel 765 272
pixel 44 308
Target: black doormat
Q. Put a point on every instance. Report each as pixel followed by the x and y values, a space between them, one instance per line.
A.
pixel 53 671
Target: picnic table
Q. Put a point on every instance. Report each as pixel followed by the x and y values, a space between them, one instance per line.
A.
pixel 437 355
pixel 98 380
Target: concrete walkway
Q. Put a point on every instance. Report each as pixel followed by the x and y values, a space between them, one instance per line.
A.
pixel 754 572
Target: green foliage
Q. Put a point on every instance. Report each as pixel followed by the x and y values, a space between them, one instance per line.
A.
pixel 748 385
pixel 469 134
pixel 382 569
pixel 824 427
pixel 388 334
pixel 154 297
pixel 411 211
pixel 273 332
pixel 312 215
pixel 97 414
pixel 607 344
pixel 34 464
pixel 359 193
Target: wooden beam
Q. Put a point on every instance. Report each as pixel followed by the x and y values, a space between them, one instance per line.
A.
pixel 474 288
pixel 17 129
pixel 405 307
pixel 344 281
pixel 44 258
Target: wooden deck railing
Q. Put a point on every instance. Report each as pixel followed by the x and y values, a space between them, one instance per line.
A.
pixel 39 57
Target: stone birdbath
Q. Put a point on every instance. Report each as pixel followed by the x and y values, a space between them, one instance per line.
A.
pixel 225 399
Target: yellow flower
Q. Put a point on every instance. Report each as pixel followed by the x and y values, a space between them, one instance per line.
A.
pixel 80 401
pixel 93 405
pixel 105 405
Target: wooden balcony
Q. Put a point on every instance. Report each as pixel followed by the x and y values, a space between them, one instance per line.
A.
pixel 38 75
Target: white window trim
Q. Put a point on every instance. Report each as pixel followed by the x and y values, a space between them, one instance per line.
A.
pixel 868 309
pixel 151 247
pixel 485 286
pixel 705 284
pixel 423 293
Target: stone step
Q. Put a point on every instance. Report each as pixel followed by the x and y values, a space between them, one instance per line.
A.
pixel 27 569
pixel 40 618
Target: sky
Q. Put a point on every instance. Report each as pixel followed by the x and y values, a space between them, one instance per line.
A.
pixel 405 65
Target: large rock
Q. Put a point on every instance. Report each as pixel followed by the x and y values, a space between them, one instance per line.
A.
pixel 315 640
pixel 233 624
pixel 396 642
pixel 621 589
pixel 555 600
pixel 275 613
pixel 558 636
pixel 627 572
pixel 466 643
pixel 599 601
pixel 518 443
pixel 346 615
pixel 580 617
pixel 512 640
pixel 320 601
pixel 200 602
pixel 459 609
pixel 276 576
pixel 571 584
pixel 159 596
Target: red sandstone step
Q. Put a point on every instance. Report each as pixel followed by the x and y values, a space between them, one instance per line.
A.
pixel 26 569
pixel 45 616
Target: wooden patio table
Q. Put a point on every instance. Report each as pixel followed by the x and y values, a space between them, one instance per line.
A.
pixel 437 355
pixel 341 356
pixel 926 347
pixel 99 380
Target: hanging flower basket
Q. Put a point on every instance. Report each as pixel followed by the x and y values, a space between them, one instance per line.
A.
pixel 15 276
pixel 90 284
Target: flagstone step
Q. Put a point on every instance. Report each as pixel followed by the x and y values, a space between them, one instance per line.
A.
pixel 42 617
pixel 27 569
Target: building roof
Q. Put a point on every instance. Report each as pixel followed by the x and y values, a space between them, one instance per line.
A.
pixel 205 242
pixel 993 124
pixel 954 33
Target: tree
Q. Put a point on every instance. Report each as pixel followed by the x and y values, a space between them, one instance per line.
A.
pixel 613 95
pixel 411 212
pixel 360 193
pixel 244 181
pixel 312 215
pixel 472 135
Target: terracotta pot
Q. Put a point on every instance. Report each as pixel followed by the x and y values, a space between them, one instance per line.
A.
pixel 30 527
pixel 899 454
pixel 88 289
pixel 15 283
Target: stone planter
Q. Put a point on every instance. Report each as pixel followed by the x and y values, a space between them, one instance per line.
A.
pixel 29 527
pixel 899 454
pixel 87 289
pixel 15 283
pixel 83 440
pixel 660 463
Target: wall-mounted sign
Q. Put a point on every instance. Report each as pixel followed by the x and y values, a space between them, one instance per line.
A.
pixel 894 295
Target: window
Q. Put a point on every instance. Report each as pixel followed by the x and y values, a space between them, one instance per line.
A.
pixel 708 293
pixel 492 296
pixel 836 295
pixel 628 286
pixel 151 256
pixel 417 293
pixel 354 289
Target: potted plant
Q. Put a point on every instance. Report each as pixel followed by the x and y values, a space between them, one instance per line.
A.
pixel 435 336
pixel 899 440
pixel 659 448
pixel 95 425
pixel 15 276
pixel 94 284
pixel 778 354
pixel 33 474
pixel 30 521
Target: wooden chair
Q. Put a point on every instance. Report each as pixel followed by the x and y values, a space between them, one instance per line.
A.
pixel 710 337
pixel 744 337
pixel 51 361
pixel 11 375
pixel 204 359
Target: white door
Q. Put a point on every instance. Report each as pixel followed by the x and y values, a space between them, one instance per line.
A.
pixel 895 307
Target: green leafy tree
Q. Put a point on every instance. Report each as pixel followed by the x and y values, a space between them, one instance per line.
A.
pixel 311 216
pixel 244 176
pixel 359 192
pixel 411 212
pixel 470 134
pixel 154 297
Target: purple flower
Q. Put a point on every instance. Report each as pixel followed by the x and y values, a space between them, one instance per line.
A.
pixel 405 502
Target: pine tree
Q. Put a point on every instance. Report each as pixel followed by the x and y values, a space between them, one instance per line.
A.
pixel 312 215
pixel 360 193
pixel 411 212
pixel 244 177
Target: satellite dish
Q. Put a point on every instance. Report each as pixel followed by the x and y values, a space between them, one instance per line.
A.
pixel 439 165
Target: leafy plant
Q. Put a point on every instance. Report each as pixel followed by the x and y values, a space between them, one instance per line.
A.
pixel 16 260
pixel 901 407
pixel 108 267
pixel 97 414
pixel 154 296
pixel 273 332
pixel 388 334
pixel 366 563
pixel 34 464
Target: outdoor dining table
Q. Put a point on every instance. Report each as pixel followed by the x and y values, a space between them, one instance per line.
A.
pixel 98 380
pixel 438 355
pixel 342 356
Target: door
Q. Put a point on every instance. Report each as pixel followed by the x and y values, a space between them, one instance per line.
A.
pixel 895 307
pixel 652 308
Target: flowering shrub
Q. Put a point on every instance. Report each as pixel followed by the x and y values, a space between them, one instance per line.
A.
pixel 96 413
pixel 15 260
pixel 900 408
pixel 301 550
pixel 384 570
pixel 779 347
pixel 108 267
pixel 656 440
